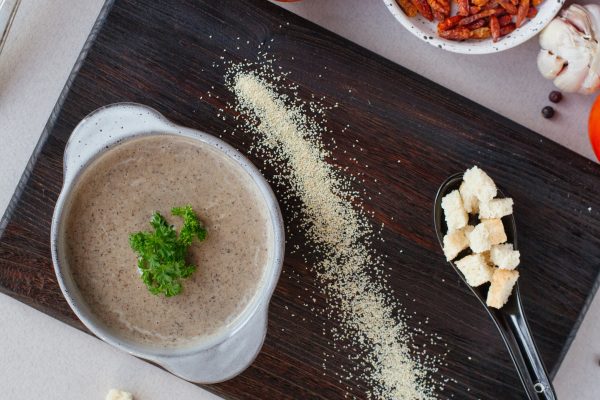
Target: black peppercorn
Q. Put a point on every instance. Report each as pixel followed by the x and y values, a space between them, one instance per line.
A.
pixel 555 96
pixel 548 112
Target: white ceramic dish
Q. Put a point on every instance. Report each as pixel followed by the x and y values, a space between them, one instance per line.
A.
pixel 215 358
pixel 427 31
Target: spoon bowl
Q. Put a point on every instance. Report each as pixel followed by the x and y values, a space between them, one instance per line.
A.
pixel 510 319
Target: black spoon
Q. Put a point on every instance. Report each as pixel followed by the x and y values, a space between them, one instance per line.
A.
pixel 510 319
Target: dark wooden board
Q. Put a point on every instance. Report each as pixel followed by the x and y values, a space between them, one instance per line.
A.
pixel 161 54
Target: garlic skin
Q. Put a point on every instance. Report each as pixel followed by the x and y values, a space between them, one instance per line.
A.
pixel 570 53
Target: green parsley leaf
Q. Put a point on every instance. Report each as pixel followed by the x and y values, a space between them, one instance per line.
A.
pixel 161 254
pixel 191 225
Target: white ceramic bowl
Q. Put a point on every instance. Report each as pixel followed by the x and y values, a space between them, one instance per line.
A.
pixel 427 31
pixel 211 359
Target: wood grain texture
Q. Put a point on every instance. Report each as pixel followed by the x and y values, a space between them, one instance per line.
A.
pixel 414 134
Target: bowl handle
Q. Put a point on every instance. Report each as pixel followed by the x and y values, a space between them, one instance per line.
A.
pixel 225 360
pixel 105 127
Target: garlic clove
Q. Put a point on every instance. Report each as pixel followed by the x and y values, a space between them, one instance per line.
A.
pixel 570 80
pixel 578 16
pixel 574 73
pixel 594 12
pixel 549 64
pixel 591 84
pixel 557 35
pixel 592 81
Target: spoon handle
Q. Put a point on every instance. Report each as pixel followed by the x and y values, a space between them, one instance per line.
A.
pixel 523 351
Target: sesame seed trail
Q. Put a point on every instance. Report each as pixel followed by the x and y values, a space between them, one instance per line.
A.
pixel 349 269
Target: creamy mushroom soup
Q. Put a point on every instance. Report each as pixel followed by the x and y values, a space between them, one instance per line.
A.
pixel 117 195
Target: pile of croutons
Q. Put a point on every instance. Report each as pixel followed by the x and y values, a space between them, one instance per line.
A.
pixel 492 259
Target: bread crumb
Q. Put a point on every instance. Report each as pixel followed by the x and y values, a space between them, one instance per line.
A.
pixel 495 228
pixel 479 184
pixel 504 256
pixel 479 239
pixel 116 394
pixel 470 201
pixel 454 211
pixel 501 287
pixel 475 269
pixel 486 234
pixel 456 241
pixel 496 208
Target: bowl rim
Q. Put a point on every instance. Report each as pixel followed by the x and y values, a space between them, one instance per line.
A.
pixel 528 31
pixel 259 302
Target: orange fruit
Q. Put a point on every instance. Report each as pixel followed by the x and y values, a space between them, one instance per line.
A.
pixel 594 127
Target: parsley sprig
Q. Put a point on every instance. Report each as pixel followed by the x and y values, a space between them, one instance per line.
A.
pixel 161 254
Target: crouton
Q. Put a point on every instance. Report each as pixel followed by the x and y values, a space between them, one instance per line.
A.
pixel 504 256
pixel 479 239
pixel 496 208
pixel 115 394
pixel 495 229
pixel 454 211
pixel 486 234
pixel 456 241
pixel 479 184
pixel 501 287
pixel 475 269
pixel 470 201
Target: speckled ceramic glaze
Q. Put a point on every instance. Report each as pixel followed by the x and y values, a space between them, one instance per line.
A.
pixel 427 31
pixel 212 359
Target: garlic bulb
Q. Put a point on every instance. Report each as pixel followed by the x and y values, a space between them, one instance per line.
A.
pixel 570 51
